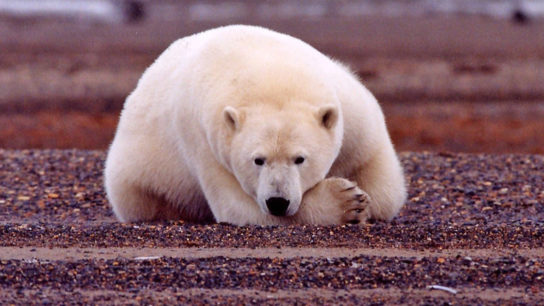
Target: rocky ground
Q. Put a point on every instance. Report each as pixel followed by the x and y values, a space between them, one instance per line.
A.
pixel 473 223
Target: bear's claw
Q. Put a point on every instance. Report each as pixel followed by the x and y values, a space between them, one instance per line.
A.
pixel 339 201
pixel 356 208
pixel 353 201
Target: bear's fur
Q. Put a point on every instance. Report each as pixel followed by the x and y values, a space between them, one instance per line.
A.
pixel 244 125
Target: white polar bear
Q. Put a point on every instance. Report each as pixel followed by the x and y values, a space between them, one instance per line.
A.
pixel 245 125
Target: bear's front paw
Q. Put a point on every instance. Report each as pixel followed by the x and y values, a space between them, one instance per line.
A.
pixel 353 201
pixel 337 201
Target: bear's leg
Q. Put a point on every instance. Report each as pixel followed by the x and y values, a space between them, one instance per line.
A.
pixel 131 203
pixel 331 201
pixel 334 201
pixel 383 179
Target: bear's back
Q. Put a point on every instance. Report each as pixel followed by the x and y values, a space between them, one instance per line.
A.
pixel 255 64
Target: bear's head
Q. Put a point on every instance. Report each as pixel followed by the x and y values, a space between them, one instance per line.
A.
pixel 277 154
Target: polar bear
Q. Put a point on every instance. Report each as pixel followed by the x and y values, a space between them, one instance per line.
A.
pixel 244 125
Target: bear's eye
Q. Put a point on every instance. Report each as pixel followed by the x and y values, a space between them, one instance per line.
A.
pixel 299 160
pixel 259 161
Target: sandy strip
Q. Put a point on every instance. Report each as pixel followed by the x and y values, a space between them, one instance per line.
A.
pixel 29 253
pixel 491 294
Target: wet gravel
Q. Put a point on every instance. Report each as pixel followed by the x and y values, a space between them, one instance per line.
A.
pixel 54 198
pixel 364 272
pixel 138 278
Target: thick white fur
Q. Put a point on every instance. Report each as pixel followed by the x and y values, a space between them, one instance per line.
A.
pixel 214 101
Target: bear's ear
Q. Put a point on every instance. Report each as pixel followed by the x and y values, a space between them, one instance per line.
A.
pixel 231 117
pixel 328 116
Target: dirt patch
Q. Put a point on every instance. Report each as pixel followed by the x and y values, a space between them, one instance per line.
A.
pixel 73 253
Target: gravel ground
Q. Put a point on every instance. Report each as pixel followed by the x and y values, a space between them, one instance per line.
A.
pixel 473 223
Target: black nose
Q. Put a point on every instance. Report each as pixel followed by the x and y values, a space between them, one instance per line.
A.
pixel 277 206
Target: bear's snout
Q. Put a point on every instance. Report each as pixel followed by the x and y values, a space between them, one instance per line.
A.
pixel 277 206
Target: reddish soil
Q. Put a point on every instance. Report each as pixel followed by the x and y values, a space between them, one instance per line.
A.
pixel 500 127
pixel 57 129
pixel 492 127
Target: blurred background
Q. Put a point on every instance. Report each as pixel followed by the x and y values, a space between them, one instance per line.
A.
pixel 451 75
